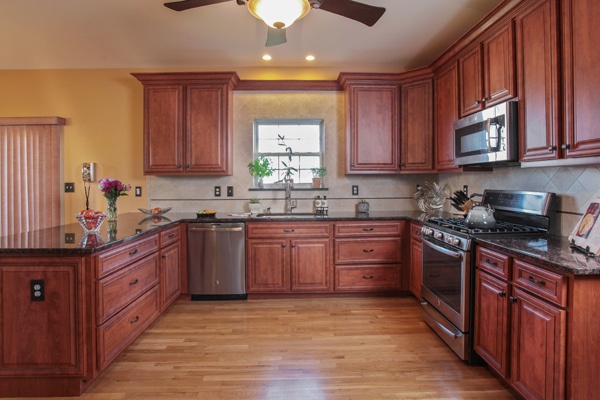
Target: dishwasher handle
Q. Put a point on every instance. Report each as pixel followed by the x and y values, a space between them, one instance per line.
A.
pixel 217 228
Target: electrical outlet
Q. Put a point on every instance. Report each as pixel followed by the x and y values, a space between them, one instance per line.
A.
pixel 38 290
pixel 69 238
pixel 217 191
pixel 466 189
pixel 69 187
pixel 138 191
pixel 354 190
pixel 229 191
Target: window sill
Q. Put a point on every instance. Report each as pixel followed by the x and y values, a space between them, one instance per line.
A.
pixel 267 189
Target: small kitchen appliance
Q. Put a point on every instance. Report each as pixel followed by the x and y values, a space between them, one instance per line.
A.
pixel 448 271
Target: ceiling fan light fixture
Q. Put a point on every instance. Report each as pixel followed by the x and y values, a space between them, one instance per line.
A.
pixel 279 14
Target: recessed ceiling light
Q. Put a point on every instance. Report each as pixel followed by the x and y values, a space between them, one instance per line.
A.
pixel 310 58
pixel 266 57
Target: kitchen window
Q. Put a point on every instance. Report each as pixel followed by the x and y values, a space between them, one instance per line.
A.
pixel 303 136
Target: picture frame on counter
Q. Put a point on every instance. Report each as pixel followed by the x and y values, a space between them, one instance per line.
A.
pixel 586 234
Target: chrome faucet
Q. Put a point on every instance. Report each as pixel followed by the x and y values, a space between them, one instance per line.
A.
pixel 289 204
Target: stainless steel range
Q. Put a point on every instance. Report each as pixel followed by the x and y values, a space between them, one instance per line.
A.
pixel 448 271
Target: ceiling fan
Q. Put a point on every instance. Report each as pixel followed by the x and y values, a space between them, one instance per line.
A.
pixel 280 14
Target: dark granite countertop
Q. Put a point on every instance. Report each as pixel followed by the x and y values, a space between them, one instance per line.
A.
pixel 551 251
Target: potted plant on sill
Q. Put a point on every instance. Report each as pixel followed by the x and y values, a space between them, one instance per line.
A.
pixel 254 205
pixel 318 174
pixel 261 168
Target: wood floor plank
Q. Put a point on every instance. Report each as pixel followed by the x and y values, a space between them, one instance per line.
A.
pixel 322 349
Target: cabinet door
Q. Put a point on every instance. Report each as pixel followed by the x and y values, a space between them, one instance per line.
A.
pixel 170 274
pixel 372 129
pixel 446 112
pixel 470 81
pixel 416 267
pixel 311 265
pixel 537 347
pixel 43 335
pixel 491 321
pixel 163 129
pixel 581 62
pixel 499 67
pixel 267 266
pixel 208 130
pixel 537 69
pixel 417 126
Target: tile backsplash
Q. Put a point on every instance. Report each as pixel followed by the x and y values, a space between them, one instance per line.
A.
pixel 574 185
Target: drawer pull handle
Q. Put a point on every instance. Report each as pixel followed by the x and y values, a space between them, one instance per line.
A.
pixel 171 236
pixel 164 257
pixel 533 280
pixel 288 230
pixel 494 263
pixel 133 253
pixel 136 319
pixel 434 275
pixel 367 229
pixel 368 276
pixel 134 282
pixel 368 251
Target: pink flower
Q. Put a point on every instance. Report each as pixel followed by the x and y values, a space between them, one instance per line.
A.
pixel 113 188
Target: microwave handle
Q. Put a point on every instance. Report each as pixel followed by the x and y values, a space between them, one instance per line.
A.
pixel 488 133
pixel 488 126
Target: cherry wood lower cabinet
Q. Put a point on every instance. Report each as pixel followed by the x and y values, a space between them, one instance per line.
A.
pixel 536 327
pixel 416 259
pixel 65 318
pixel 284 257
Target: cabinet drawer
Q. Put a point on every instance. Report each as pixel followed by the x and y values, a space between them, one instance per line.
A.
pixel 367 278
pixel 496 263
pixel 112 260
pixel 368 228
pixel 415 230
pixel 287 229
pixel 119 289
pixel 546 284
pixel 169 236
pixel 376 250
pixel 121 330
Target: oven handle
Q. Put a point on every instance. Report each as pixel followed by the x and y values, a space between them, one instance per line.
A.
pixel 444 250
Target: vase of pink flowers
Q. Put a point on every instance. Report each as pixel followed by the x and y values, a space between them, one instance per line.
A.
pixel 112 190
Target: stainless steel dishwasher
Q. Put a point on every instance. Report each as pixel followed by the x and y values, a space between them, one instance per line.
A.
pixel 217 261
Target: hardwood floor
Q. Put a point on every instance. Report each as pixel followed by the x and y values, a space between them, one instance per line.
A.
pixel 343 348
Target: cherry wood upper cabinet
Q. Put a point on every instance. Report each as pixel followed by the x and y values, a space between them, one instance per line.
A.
pixel 581 77
pixel 537 71
pixel 446 112
pixel 416 138
pixel 487 72
pixel 372 123
pixel 188 123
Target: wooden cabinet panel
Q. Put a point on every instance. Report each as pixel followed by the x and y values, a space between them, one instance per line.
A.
pixel 538 348
pixel 546 284
pixel 42 337
pixel 491 321
pixel 416 139
pixel 416 266
pixel 537 71
pixel 170 274
pixel 368 250
pixel 446 112
pixel 310 261
pixel 499 82
pixel 494 262
pixel 121 330
pixel 415 230
pixel 367 278
pixel 119 289
pixel 170 235
pixel 470 82
pixel 268 230
pixel 373 135
pixel 581 79
pixel 113 259
pixel 267 266
pixel 368 229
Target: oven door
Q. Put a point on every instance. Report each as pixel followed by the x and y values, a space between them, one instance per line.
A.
pixel 446 281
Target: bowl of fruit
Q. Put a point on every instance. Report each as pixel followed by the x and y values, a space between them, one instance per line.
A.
pixel 90 220
pixel 156 211
pixel 206 214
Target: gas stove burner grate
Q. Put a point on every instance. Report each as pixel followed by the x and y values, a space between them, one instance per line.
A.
pixel 459 225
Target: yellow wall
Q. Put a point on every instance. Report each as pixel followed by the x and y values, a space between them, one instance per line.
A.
pixel 104 112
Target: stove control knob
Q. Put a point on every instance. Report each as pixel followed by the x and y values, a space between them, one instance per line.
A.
pixel 428 231
pixel 456 242
pixel 439 235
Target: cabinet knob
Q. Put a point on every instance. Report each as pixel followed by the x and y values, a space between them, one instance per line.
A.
pixel 477 102
pixel 485 99
pixel 293 245
pixel 552 148
pixel 502 294
pixel 352 165
pixel 187 165
pixel 283 245
pixel 512 299
pixel 566 146
pixel 179 165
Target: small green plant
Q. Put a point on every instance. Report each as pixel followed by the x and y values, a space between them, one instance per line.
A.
pixel 261 167
pixel 289 170
pixel 254 200
pixel 319 172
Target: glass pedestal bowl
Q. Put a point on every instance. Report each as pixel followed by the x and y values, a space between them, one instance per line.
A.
pixel 91 222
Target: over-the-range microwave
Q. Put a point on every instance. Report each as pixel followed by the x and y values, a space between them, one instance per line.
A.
pixel 488 137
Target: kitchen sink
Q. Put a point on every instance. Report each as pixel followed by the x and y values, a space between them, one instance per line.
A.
pixel 286 215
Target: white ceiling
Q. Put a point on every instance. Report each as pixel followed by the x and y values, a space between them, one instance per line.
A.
pixel 64 34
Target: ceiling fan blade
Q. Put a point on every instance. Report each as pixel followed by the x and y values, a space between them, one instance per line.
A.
pixel 187 4
pixel 360 12
pixel 275 37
